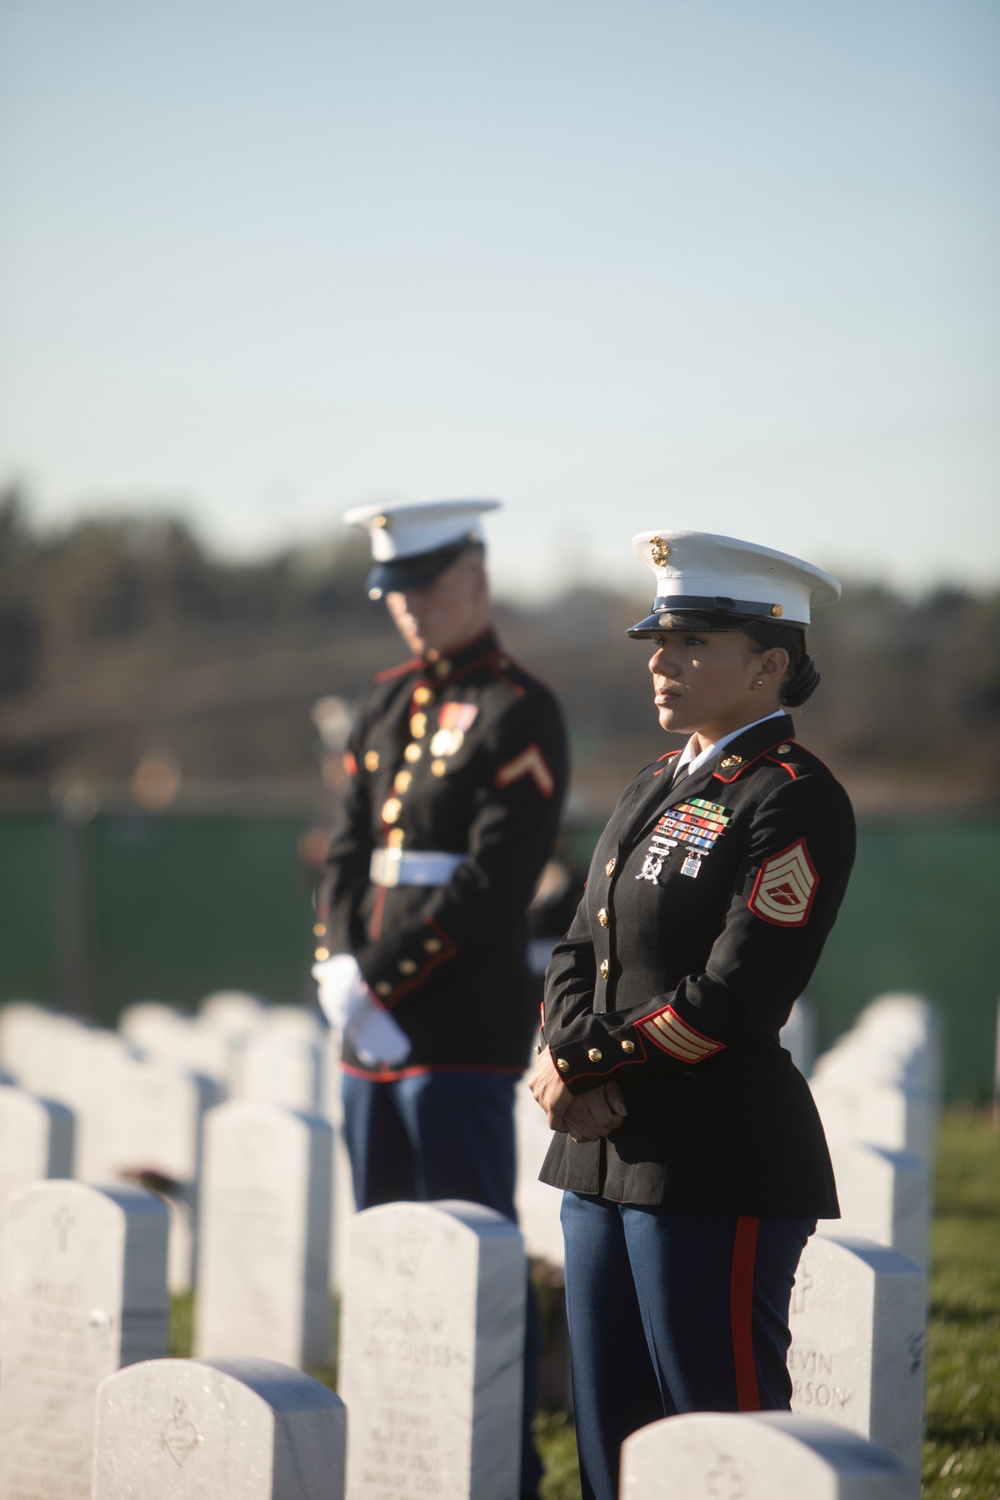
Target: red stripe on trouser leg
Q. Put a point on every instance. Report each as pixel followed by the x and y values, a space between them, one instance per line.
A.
pixel 741 1313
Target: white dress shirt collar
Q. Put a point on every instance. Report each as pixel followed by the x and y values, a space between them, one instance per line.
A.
pixel 691 760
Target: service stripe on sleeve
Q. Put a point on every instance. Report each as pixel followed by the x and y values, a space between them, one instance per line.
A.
pixel 672 1035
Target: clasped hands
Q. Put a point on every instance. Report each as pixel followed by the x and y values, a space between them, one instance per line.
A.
pixel 583 1117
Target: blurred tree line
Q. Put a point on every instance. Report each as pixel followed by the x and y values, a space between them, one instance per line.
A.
pixel 121 638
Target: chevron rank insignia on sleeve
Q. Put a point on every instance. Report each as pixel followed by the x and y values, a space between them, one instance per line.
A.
pixel 668 1032
pixel 785 887
pixel 530 762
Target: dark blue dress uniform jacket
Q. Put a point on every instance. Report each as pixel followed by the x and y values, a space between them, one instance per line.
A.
pixel 678 986
pixel 465 756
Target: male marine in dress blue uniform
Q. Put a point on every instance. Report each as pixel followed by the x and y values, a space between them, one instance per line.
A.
pixel 458 769
pixel 710 895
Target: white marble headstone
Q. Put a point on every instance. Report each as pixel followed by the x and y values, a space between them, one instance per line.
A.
pixel 86 1294
pixel 283 1069
pixel 432 1338
pixel 884 1196
pixel 538 1204
pixel 264 1224
pixel 235 1011
pixel 857 1319
pixel 798 1035
pixel 239 1429
pixel 81 1067
pixel 191 1042
pixel 24 1026
pixel 855 1107
pixel 36 1139
pixel 758 1456
pixel 153 1125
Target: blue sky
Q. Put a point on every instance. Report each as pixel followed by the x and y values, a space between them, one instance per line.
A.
pixel 625 264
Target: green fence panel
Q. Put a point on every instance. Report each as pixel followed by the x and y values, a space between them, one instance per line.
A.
pixel 170 908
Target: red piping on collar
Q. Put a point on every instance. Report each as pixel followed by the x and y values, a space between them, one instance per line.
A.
pixel 718 776
pixel 412 665
pixel 670 755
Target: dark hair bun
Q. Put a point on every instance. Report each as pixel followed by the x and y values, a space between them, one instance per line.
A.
pixel 802 684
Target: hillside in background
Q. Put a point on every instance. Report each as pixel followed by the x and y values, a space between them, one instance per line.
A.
pixel 124 645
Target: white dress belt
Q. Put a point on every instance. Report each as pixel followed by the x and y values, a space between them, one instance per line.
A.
pixel 413 867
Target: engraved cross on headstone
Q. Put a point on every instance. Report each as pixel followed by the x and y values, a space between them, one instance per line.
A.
pixel 803 1282
pixel 64 1221
pixel 727 1480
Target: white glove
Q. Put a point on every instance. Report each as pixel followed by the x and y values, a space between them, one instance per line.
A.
pixel 342 990
pixel 375 1036
pixel 351 1008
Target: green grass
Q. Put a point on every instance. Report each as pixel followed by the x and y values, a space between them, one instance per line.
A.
pixel 961 1459
pixel 962 1430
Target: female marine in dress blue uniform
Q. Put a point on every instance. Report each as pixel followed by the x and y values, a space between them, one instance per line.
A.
pixel 691 1155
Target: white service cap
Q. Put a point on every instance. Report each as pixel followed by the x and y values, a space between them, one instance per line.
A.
pixel 415 540
pixel 722 583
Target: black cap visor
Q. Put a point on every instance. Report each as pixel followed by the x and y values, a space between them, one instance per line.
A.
pixel 415 572
pixel 696 613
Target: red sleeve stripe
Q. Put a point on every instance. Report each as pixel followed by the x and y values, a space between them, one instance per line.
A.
pixel 674 1036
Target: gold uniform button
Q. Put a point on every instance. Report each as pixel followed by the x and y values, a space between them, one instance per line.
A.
pixel 784 749
pixel 422 695
pixel 609 868
pixel 432 945
pixel 438 767
pixel 602 916
pixel 777 610
pixel 442 668
pixel 406 966
pixel 391 810
pixel 595 1054
pixel 322 953
pixel 628 1047
pixel 401 782
pixel 412 753
pixel 418 726
pixel 503 663
pixel 562 1065
pixel 383 988
pixel 371 760
pixel 380 521
pixel 604 968
pixel 394 838
pixel 319 930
